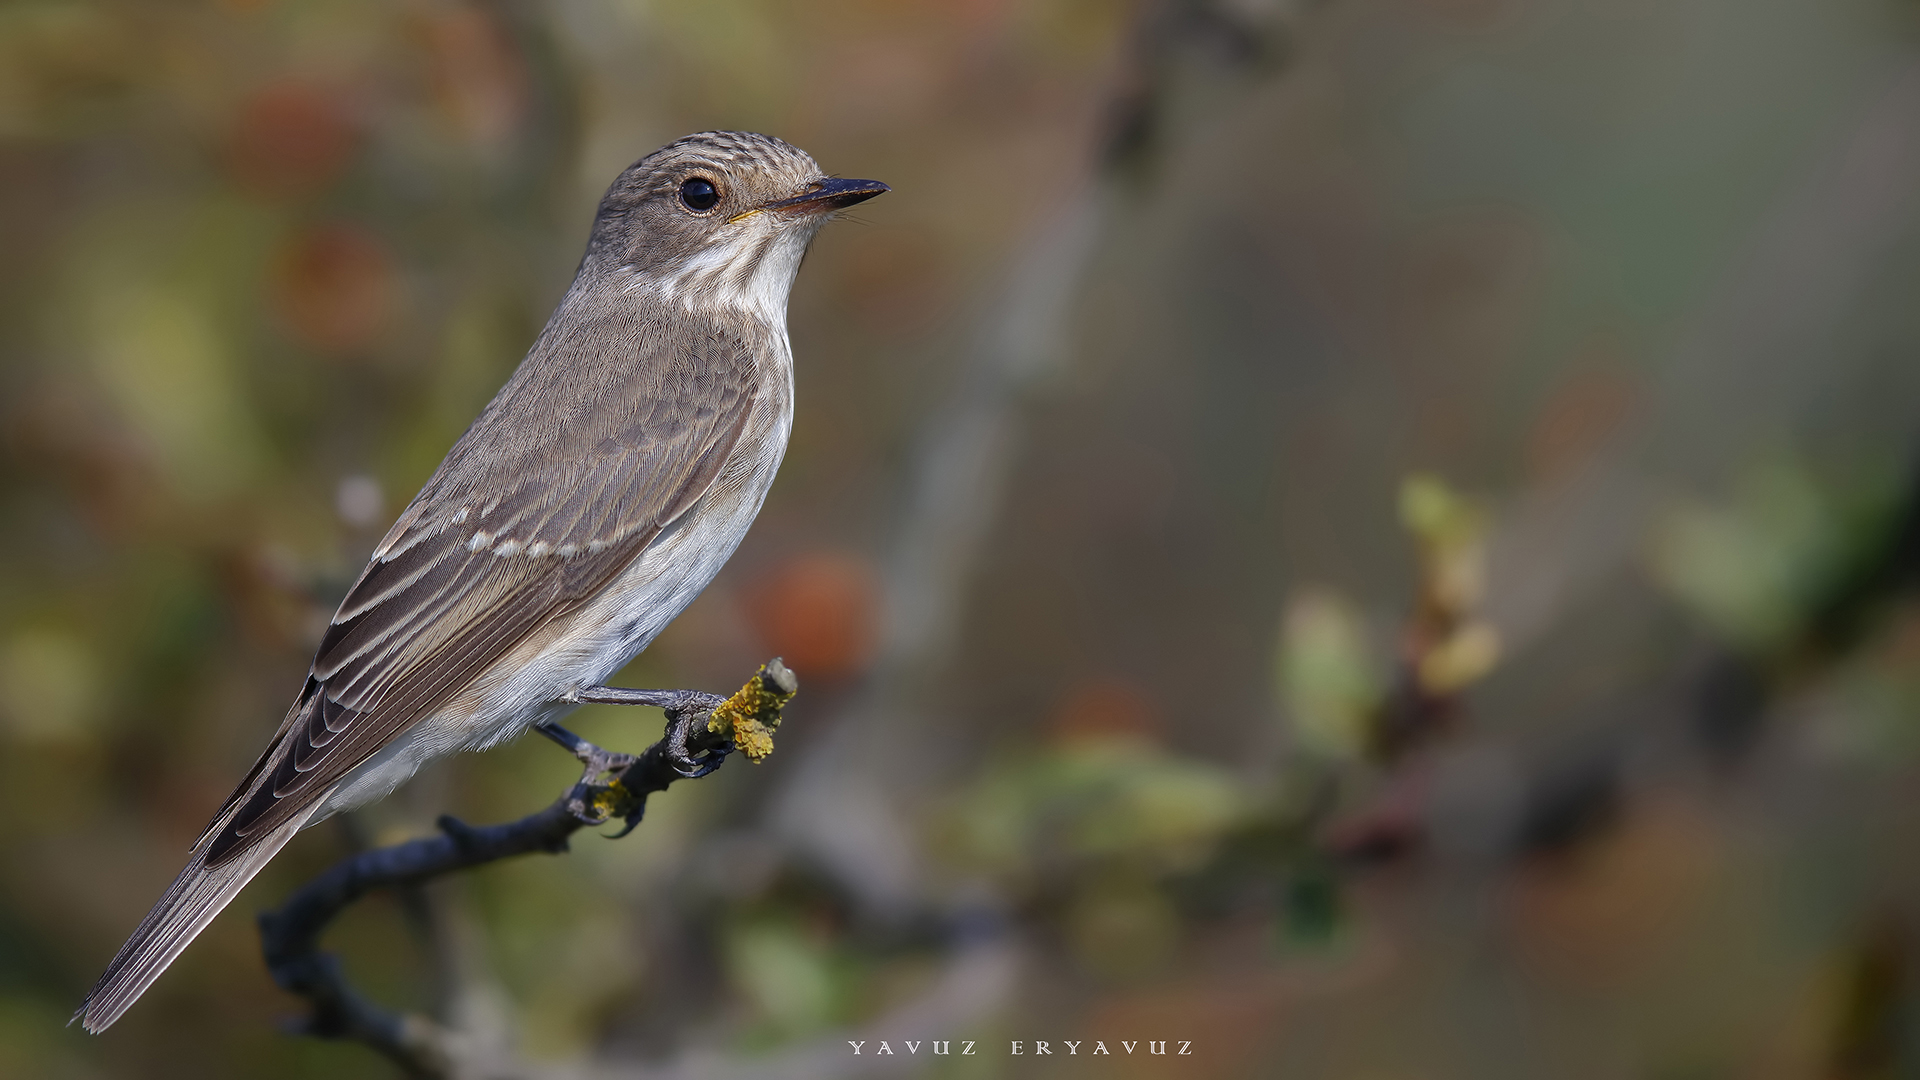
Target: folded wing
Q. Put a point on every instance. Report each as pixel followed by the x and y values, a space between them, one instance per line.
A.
pixel 526 519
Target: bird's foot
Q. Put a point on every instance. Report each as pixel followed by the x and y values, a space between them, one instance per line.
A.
pixel 702 729
pixel 600 796
pixel 689 748
pixel 683 749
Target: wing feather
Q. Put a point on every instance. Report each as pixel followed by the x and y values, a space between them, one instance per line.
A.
pixel 517 527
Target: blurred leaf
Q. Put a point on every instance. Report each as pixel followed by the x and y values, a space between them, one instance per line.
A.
pixel 1108 798
pixel 1461 659
pixel 1450 531
pixel 1753 566
pixel 1328 676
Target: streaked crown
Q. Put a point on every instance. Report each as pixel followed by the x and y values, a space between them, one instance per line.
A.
pixel 657 213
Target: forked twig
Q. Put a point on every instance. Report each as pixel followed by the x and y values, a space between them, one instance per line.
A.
pixel 614 786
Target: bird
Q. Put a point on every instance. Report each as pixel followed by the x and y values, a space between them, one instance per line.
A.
pixel 594 497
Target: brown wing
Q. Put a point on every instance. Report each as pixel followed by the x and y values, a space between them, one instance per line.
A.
pixel 557 488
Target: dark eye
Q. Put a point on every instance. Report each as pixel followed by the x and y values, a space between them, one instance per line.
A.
pixel 699 194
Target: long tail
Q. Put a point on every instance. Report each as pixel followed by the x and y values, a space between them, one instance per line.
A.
pixel 196 896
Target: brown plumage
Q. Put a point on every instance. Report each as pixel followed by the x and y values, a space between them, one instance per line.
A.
pixel 594 497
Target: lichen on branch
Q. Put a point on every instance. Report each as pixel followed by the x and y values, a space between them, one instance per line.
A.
pixel 751 716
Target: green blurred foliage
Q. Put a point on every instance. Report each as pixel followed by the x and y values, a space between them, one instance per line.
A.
pixel 1105 799
pixel 1757 566
pixel 1329 675
pixel 1094 831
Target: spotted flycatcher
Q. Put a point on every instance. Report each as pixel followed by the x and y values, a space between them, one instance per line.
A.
pixel 593 499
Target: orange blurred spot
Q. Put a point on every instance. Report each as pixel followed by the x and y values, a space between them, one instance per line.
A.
pixel 291 140
pixel 1104 708
pixel 478 74
pixel 819 612
pixel 333 287
pixel 1583 411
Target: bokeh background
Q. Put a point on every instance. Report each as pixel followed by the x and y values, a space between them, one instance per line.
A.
pixel 1372 536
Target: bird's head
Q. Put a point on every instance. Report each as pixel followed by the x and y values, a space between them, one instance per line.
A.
pixel 718 219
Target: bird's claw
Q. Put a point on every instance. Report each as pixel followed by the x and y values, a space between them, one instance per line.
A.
pixel 689 748
pixel 600 762
pixel 600 796
pixel 596 804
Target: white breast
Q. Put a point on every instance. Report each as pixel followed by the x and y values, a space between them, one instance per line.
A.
pixel 673 569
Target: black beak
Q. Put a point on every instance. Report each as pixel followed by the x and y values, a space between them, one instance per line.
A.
pixel 830 194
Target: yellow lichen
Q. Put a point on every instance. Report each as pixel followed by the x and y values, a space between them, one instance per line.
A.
pixel 604 802
pixel 752 714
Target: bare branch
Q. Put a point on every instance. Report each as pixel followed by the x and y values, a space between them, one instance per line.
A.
pixel 702 728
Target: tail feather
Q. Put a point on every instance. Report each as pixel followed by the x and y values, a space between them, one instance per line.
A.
pixel 197 895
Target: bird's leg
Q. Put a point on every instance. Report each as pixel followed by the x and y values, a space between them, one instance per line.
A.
pixel 616 784
pixel 578 746
pixel 702 729
pixel 618 695
pixel 599 795
pixel 690 748
pixel 686 746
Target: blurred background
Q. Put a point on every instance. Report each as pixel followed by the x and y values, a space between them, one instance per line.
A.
pixel 1371 536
